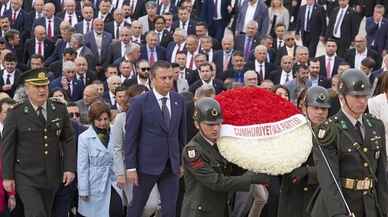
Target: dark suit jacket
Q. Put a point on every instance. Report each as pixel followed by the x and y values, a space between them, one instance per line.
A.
pixel 166 38
pixel 350 56
pixel 90 42
pixel 173 10
pixel 218 59
pixel 268 67
pixel 217 84
pixel 239 43
pixel 27 5
pixel 77 88
pixel 149 142
pixel 322 63
pixel 107 99
pixel 23 23
pixel 190 28
pixel 110 27
pixel 283 52
pixel 191 76
pixel 115 50
pixel 57 21
pixel 170 50
pixel 29 48
pixel 275 76
pixel 139 10
pixel 90 77
pixel 349 27
pixel 90 57
pixel 376 34
pixel 316 24
pixel 261 16
pixel 160 52
pixel 108 18
pixel 10 92
pixel 62 15
pixel 79 27
pixel 207 12
pixel 57 54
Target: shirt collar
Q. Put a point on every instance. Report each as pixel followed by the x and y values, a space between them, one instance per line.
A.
pixel 351 119
pixel 36 107
pixel 160 96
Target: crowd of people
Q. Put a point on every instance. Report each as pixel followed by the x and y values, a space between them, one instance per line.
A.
pixel 129 74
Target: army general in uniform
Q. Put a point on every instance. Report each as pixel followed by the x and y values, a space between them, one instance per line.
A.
pixel 206 172
pixel 38 147
pixel 354 144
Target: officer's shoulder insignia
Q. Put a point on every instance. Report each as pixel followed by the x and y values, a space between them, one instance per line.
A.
pixel 325 133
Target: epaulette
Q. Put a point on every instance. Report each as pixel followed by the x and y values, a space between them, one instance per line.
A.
pixel 326 132
pixel 16 105
pixel 371 116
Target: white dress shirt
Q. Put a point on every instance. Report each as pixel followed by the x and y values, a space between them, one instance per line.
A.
pixel 11 77
pixel 283 77
pixel 74 19
pixel 359 57
pixel 257 69
pixel 159 99
pixel 250 13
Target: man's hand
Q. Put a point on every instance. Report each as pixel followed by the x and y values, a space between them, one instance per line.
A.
pixel 298 174
pixel 9 185
pixel 11 202
pixel 121 181
pixel 132 178
pixel 65 83
pixel 68 177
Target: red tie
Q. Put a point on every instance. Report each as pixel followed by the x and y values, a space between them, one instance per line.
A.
pixel 152 58
pixel 328 67
pixel 49 33
pixel 40 51
pixel 14 17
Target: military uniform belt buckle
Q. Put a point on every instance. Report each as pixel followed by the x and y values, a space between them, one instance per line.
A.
pixel 365 184
pixel 349 183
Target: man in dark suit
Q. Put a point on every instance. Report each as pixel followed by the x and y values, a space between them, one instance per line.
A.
pixel 104 11
pixel 278 39
pixel 155 120
pixel 166 6
pixel 289 47
pixel 315 76
pixel 20 19
pixel 164 36
pixel 39 154
pixel 247 42
pixel 61 44
pixel 142 77
pixel 55 68
pixel 184 21
pixel 69 82
pixel 355 55
pixel 118 48
pixel 206 74
pixel 83 74
pixel 69 13
pixel 38 45
pixel 117 24
pixel 223 58
pixel 151 51
pixel 9 76
pixel 377 30
pixel 260 15
pixel 37 11
pixel 329 62
pixel 178 45
pixel 236 72
pixel 86 24
pixel 77 42
pixel 311 25
pixel 217 16
pixel 136 8
pixel 283 75
pixel 343 26
pixel 99 42
pixel 15 45
pixel 50 22
pixel 113 82
pixel 260 64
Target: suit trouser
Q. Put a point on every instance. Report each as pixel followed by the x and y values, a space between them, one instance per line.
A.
pixel 168 184
pixel 342 46
pixel 63 199
pixel 37 202
pixel 311 42
pixel 250 203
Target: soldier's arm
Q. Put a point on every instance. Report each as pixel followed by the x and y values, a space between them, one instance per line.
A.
pixel 382 182
pixel 206 175
pixel 67 138
pixel 9 145
pixel 329 190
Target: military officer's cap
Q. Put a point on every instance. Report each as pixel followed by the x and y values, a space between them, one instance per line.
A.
pixel 207 110
pixel 36 77
pixel 355 83
pixel 317 97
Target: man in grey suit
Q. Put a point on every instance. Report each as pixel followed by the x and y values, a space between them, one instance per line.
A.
pixel 90 94
pixel 99 42
pixel 300 82
pixel 260 15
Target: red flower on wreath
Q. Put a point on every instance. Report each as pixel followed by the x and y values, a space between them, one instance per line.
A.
pixel 248 106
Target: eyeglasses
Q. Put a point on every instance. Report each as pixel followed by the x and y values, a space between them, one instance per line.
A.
pixel 145 69
pixel 74 114
pixel 290 39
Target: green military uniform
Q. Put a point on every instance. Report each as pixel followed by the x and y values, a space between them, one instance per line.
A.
pixel 207 173
pixel 36 153
pixel 298 187
pixel 357 157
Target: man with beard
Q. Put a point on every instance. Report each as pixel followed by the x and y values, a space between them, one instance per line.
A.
pixel 143 69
